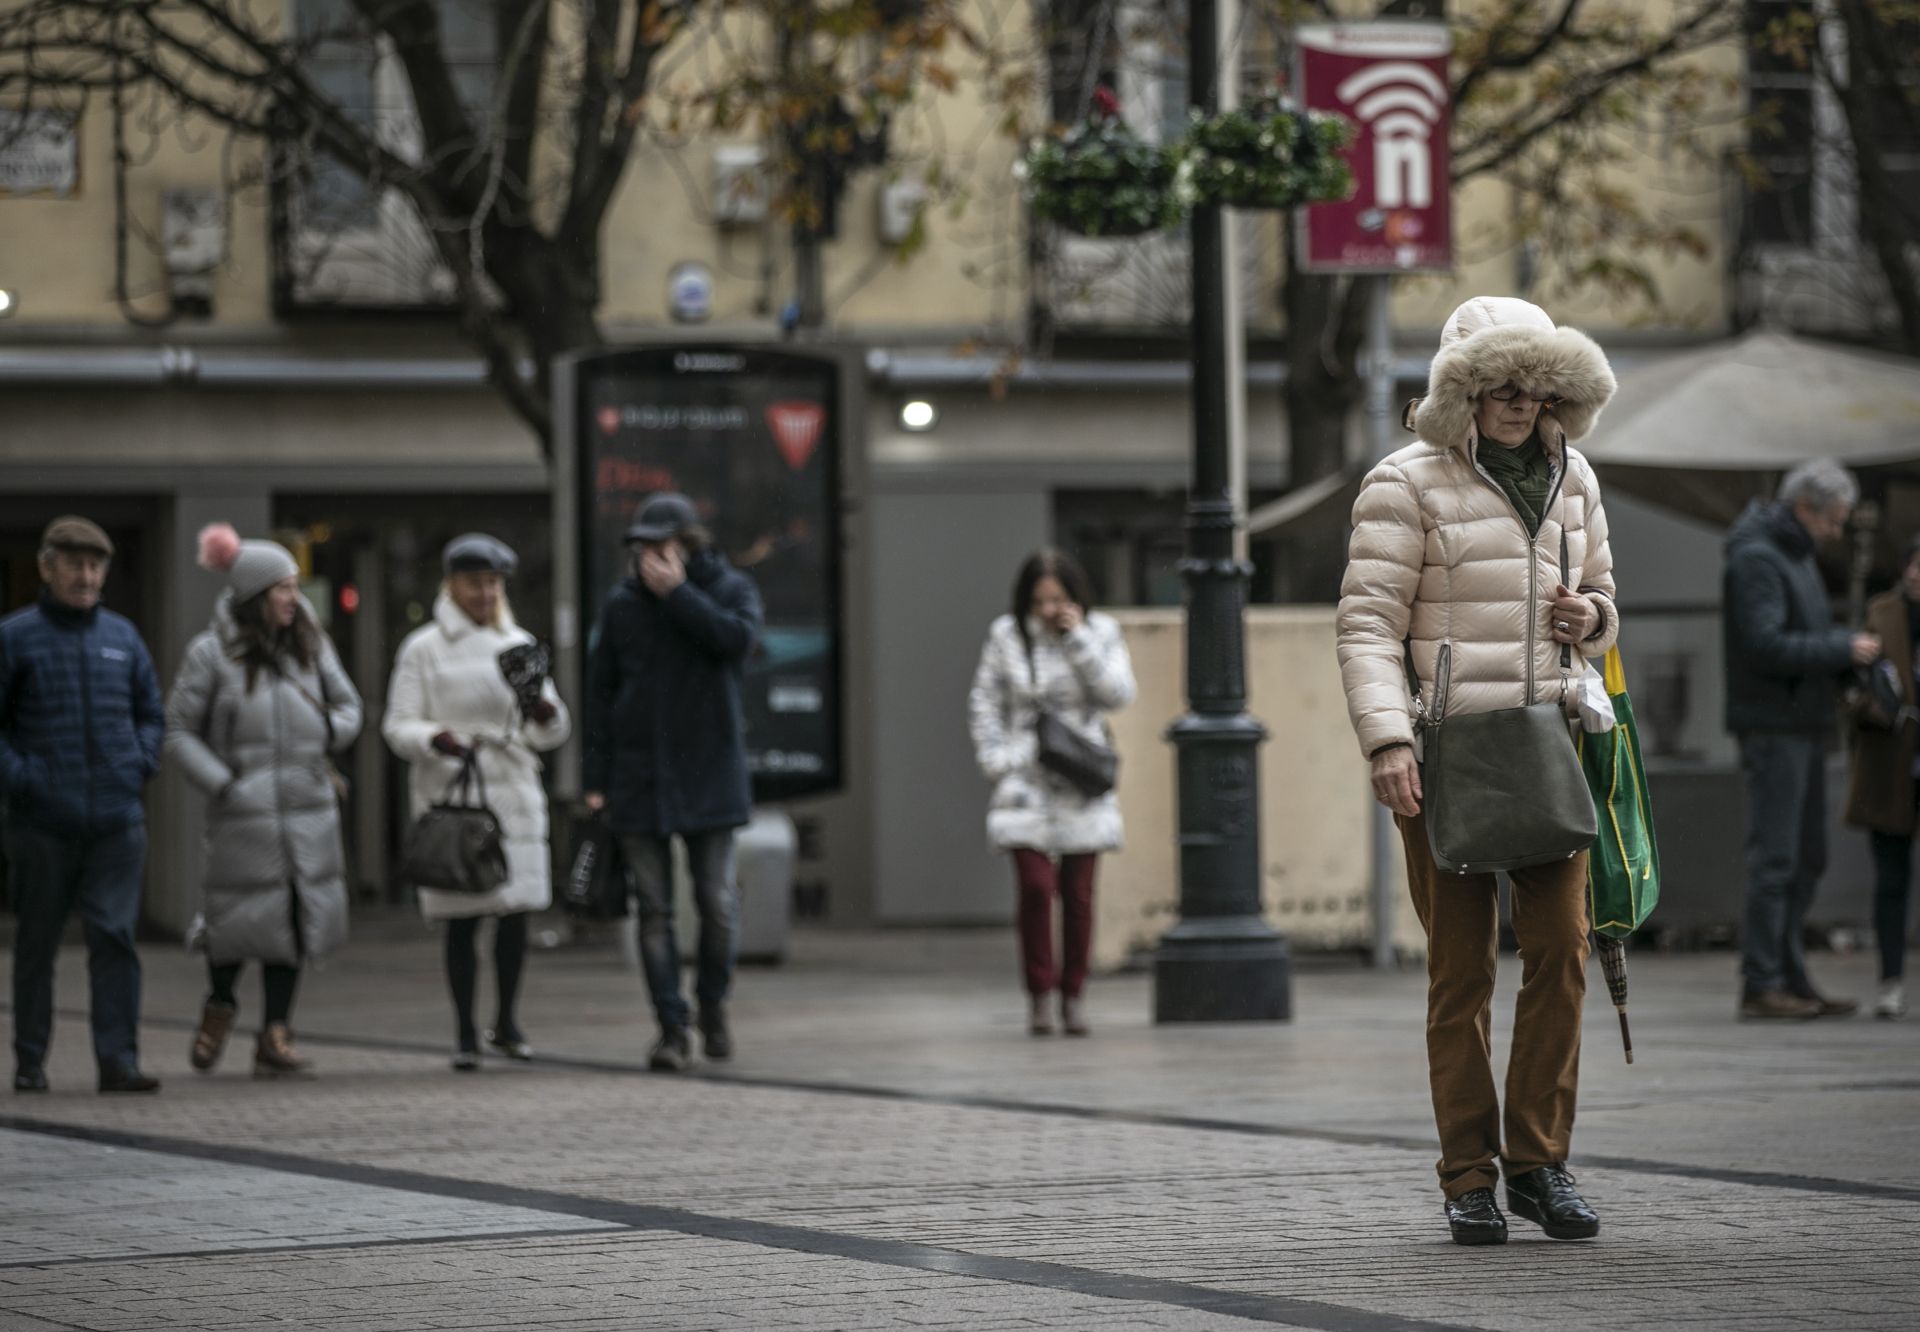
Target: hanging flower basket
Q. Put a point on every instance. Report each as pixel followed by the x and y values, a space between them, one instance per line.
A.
pixel 1267 155
pixel 1101 179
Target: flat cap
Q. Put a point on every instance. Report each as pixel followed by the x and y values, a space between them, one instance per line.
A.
pixel 476 552
pixel 662 517
pixel 72 532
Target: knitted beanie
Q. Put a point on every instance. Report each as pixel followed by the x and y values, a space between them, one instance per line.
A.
pixel 251 567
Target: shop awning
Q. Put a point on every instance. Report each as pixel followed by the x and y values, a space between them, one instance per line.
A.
pixel 1703 431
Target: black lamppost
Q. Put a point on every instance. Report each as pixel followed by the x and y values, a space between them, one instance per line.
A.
pixel 1222 962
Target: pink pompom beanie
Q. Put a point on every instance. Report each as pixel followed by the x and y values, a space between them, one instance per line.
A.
pixel 251 567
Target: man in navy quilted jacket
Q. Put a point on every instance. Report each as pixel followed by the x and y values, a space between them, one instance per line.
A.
pixel 80 728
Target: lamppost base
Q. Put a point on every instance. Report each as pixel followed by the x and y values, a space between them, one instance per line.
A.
pixel 1223 971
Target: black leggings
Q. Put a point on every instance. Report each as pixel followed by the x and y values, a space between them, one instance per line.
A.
pixel 509 959
pixel 277 979
pixel 277 982
pixel 1893 879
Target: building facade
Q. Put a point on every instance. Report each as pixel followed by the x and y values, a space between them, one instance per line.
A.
pixel 184 343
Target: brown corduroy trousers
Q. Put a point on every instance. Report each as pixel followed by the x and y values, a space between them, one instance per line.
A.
pixel 1460 913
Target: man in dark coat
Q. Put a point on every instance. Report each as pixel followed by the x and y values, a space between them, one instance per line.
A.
pixel 80 729
pixel 666 751
pixel 1785 661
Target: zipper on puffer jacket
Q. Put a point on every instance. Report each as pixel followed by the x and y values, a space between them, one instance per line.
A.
pixel 1533 550
pixel 86 714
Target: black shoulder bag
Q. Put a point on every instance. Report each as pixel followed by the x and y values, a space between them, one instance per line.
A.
pixel 1504 789
pixel 1088 766
pixel 457 846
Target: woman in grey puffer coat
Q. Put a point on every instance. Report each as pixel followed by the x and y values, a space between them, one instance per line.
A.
pixel 260 703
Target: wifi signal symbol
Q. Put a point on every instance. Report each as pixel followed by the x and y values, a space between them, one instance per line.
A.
pixel 1401 103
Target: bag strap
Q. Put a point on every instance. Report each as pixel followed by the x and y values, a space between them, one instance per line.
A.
pixel 470 778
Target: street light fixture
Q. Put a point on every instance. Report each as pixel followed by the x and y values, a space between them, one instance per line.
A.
pixel 919 416
pixel 6 303
pixel 1221 962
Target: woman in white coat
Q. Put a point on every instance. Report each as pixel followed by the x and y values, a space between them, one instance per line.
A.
pixel 450 697
pixel 1050 654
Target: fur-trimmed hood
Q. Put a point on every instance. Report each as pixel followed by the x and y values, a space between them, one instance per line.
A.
pixel 1495 340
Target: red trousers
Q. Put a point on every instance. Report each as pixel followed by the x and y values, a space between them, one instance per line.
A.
pixel 1041 880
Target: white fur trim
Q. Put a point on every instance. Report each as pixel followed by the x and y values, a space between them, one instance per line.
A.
pixel 1494 340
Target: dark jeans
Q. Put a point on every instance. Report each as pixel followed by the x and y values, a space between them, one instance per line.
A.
pixel 51 876
pixel 278 980
pixel 715 895
pixel 1042 879
pixel 509 961
pixel 1892 880
pixel 1786 855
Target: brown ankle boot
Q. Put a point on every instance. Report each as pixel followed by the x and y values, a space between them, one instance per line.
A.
pixel 216 1024
pixel 275 1057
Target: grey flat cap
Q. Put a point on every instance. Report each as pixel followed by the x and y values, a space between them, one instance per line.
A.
pixel 476 552
pixel 662 517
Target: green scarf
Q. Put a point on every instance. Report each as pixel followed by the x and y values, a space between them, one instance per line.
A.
pixel 1525 473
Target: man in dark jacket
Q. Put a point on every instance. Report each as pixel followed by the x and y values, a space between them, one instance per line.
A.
pixel 1785 663
pixel 80 729
pixel 666 752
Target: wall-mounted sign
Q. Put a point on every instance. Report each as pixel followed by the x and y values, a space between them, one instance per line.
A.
pixel 39 153
pixel 752 437
pixel 1390 79
pixel 690 293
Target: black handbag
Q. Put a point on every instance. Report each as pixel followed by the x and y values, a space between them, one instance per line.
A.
pixel 457 845
pixel 596 884
pixel 1088 766
pixel 1504 789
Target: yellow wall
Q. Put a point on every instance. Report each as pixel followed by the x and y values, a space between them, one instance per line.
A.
pixel 1316 809
pixel 57 255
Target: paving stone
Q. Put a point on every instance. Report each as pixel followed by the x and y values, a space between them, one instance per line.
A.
pixel 955 1173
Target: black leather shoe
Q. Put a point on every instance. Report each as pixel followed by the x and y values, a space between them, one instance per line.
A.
pixel 30 1078
pixel 1474 1217
pixel 1547 1198
pixel 129 1079
pixel 715 1038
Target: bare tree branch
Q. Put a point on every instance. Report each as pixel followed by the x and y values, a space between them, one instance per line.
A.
pixel 1497 58
pixel 1711 23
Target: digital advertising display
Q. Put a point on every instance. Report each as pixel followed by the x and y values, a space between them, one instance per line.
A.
pixel 751 436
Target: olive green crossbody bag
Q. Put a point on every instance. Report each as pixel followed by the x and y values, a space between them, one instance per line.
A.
pixel 1504 789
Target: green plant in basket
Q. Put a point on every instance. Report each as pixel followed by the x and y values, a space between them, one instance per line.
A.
pixel 1099 178
pixel 1267 155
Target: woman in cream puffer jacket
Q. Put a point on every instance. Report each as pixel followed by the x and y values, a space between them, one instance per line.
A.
pixel 1438 554
pixel 1457 551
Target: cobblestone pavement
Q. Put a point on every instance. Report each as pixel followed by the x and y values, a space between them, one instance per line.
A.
pixel 890 1150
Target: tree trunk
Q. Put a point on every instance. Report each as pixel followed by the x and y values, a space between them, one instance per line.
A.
pixel 1879 210
pixel 551 292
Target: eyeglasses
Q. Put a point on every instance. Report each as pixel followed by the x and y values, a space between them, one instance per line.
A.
pixel 1508 392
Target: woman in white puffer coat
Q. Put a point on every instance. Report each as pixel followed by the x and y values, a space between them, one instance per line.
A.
pixel 1050 654
pixel 449 696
